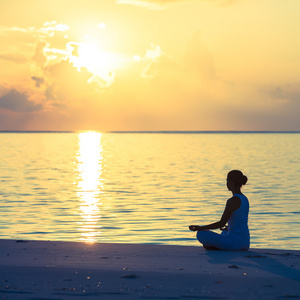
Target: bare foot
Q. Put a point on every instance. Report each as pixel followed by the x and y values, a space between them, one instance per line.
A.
pixel 210 247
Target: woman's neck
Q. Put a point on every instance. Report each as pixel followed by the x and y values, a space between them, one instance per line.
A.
pixel 236 191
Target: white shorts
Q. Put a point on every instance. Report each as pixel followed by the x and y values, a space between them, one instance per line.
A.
pixel 223 241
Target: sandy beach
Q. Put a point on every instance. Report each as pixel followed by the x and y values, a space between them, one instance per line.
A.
pixel 62 270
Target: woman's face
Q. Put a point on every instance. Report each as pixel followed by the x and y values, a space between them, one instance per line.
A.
pixel 229 184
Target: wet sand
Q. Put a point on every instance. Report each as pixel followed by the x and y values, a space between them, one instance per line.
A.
pixel 73 270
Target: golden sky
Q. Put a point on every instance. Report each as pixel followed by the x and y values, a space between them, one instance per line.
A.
pixel 150 65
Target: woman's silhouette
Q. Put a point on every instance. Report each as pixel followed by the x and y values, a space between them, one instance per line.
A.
pixel 236 236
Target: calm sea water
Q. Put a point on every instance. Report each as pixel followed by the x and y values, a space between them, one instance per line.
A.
pixel 145 188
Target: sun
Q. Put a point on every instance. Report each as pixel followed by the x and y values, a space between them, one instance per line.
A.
pixel 95 60
pixel 101 63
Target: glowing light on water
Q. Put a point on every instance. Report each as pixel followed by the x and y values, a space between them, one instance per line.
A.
pixel 89 184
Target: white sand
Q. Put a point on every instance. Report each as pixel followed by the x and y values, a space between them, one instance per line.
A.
pixel 66 270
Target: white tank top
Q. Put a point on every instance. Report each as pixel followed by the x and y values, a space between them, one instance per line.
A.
pixel 238 222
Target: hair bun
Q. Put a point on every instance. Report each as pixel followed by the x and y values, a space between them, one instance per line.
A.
pixel 244 180
pixel 237 177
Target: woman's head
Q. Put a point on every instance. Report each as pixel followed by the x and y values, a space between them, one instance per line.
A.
pixel 237 178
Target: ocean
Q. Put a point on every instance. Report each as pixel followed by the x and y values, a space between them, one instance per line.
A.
pixel 146 187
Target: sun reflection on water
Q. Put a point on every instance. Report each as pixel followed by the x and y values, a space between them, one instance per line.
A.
pixel 89 184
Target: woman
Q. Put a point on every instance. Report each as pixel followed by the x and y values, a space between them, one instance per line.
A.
pixel 236 236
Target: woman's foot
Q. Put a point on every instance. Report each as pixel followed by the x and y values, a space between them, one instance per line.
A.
pixel 210 247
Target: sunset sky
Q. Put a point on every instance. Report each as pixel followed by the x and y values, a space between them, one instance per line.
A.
pixel 150 65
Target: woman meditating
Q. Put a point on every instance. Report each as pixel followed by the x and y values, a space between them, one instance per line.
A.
pixel 236 236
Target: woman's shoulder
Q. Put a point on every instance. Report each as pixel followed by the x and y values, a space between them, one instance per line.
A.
pixel 234 202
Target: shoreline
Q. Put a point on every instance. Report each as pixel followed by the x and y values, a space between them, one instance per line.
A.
pixel 62 270
pixel 161 131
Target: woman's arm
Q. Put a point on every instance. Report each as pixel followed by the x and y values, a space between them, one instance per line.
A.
pixel 232 204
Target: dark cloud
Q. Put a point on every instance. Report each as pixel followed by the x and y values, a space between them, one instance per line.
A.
pixel 284 93
pixel 277 93
pixel 38 80
pixel 18 102
pixel 14 57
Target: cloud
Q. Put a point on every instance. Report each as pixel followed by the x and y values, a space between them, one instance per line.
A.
pixel 153 91
pixel 47 55
pixel 38 80
pixel 153 55
pixel 18 102
pixel 73 48
pixel 66 83
pixel 47 29
pixel 17 58
pixel 199 57
pixel 48 37
pixel 52 26
pixel 158 4
pixel 283 96
pixel 39 56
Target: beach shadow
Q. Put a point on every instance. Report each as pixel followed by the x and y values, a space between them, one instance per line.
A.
pixel 264 261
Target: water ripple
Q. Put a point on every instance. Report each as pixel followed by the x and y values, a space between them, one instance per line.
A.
pixel 141 188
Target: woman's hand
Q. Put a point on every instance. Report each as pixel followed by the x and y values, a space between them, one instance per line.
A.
pixel 194 227
pixel 225 228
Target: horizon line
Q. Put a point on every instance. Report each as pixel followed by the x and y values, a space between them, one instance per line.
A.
pixel 154 131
